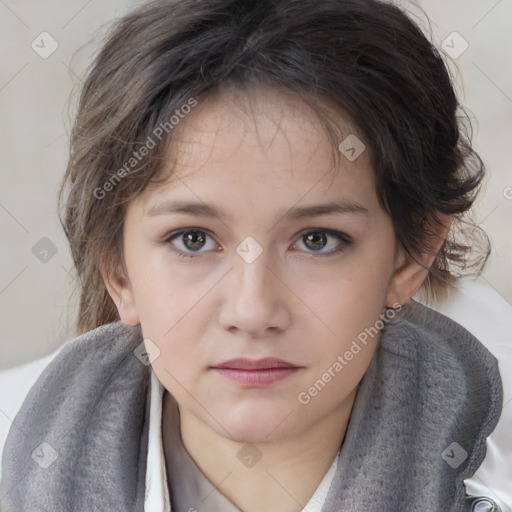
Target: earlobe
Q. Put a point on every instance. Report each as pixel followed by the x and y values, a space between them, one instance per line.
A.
pixel 121 292
pixel 411 272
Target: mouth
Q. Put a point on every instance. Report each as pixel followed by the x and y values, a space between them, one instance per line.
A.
pixel 256 372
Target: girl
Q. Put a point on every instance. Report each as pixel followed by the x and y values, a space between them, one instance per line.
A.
pixel 255 192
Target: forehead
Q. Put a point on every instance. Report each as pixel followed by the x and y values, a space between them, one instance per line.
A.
pixel 265 142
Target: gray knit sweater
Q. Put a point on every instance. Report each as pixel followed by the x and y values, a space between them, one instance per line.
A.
pixel 429 399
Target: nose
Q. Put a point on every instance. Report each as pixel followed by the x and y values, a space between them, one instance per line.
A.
pixel 255 299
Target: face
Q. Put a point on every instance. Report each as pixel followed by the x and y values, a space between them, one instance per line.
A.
pixel 254 249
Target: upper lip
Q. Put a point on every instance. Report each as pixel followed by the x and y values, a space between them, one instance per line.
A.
pixel 255 364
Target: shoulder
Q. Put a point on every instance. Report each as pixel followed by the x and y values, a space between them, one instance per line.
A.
pixel 16 383
pixel 481 310
pixel 81 354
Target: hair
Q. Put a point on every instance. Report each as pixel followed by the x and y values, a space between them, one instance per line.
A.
pixel 364 61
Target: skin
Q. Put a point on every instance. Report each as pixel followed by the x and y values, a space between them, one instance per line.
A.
pixel 257 164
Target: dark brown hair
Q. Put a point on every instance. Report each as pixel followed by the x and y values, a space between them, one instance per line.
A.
pixel 361 60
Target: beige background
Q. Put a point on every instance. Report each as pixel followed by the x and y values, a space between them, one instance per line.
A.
pixel 35 305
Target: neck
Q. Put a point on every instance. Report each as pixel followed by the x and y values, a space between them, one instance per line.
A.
pixel 286 475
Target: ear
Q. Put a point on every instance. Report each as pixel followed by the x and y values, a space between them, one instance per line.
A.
pixel 411 272
pixel 121 292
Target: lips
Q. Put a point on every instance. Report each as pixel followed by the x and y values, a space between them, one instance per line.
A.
pixel 256 373
pixel 256 364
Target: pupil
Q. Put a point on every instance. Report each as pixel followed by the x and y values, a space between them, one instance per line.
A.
pixel 196 239
pixel 317 239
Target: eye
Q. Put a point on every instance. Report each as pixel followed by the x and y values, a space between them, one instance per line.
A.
pixel 189 241
pixel 316 240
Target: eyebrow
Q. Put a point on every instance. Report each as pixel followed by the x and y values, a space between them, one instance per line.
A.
pixel 297 213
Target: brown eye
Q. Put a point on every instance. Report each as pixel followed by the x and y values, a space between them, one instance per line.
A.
pixel 193 240
pixel 315 240
pixel 190 243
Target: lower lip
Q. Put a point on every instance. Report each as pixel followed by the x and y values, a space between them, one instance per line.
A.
pixel 256 378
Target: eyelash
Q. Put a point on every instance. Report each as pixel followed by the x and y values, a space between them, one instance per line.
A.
pixel 344 240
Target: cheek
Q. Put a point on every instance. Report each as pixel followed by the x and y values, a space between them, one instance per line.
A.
pixel 351 306
pixel 355 295
pixel 179 364
pixel 163 294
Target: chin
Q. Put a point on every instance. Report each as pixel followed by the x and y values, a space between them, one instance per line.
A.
pixel 259 426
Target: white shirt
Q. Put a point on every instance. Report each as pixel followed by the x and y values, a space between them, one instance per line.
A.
pixel 157 491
